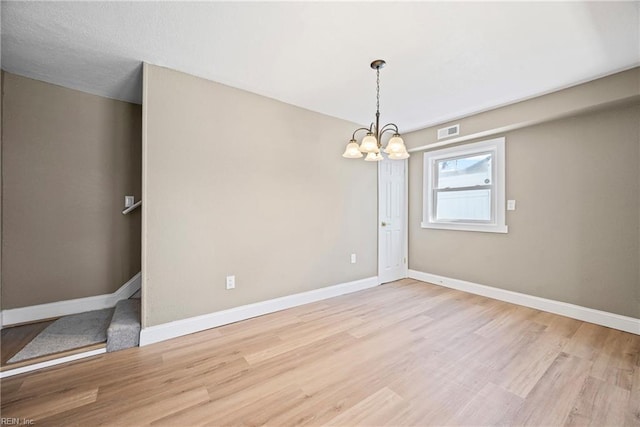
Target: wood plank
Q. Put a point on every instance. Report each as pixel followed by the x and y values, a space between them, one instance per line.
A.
pixel 600 404
pixel 42 407
pixel 632 411
pixel 587 342
pixel 377 409
pixel 552 399
pixel 492 405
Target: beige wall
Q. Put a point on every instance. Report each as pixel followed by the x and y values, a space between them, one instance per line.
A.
pixel 239 184
pixel 575 234
pixel 68 160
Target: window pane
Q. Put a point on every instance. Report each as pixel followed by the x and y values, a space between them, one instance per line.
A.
pixel 464 205
pixel 464 171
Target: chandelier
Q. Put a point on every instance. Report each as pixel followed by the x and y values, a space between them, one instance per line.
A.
pixel 372 142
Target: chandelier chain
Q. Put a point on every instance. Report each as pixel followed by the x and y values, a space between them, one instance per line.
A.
pixel 378 90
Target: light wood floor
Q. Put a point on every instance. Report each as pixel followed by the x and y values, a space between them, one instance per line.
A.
pixel 405 353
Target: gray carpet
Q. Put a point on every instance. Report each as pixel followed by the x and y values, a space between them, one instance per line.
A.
pixel 67 333
pixel 124 331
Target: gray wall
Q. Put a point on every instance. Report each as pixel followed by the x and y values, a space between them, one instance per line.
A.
pixel 68 160
pixel 236 183
pixel 575 234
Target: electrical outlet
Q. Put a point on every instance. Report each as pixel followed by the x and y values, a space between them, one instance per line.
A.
pixel 129 201
pixel 353 258
pixel 231 282
pixel 511 205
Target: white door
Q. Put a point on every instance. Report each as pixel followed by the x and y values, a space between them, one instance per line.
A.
pixel 392 220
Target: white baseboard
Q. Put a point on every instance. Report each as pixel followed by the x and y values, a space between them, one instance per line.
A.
pixel 53 362
pixel 33 313
pixel 179 328
pixel 604 318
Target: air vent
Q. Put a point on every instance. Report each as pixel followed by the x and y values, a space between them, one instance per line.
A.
pixel 448 131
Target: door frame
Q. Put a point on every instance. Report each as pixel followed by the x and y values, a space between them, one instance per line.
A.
pixel 405 233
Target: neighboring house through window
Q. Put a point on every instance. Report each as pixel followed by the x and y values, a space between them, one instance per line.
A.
pixel 464 187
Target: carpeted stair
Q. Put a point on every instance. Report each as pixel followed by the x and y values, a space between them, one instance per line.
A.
pixel 124 330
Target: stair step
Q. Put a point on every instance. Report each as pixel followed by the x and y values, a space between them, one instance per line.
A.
pixel 124 330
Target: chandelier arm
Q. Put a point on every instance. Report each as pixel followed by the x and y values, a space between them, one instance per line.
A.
pixel 385 131
pixel 357 130
pixel 385 128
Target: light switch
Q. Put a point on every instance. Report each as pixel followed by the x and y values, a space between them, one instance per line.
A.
pixel 511 205
pixel 353 258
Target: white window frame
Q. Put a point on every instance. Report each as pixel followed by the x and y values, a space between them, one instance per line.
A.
pixel 497 224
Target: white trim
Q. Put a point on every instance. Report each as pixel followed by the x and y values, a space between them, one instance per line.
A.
pixel 190 325
pixel 496 146
pixel 53 362
pixel 406 219
pixel 32 313
pixel 466 227
pixel 604 318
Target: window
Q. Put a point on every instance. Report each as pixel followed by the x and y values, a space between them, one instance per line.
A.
pixel 464 187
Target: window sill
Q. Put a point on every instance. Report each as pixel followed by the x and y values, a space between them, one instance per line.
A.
pixel 466 227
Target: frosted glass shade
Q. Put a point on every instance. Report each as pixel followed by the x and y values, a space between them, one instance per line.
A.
pixel 399 156
pixel 395 145
pixel 352 151
pixel 369 144
pixel 373 157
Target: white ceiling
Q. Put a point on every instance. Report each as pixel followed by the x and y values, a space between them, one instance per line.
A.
pixel 444 60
